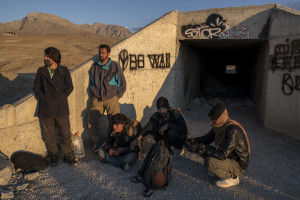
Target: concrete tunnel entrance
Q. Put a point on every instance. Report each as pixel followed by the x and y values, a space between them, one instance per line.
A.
pixel 224 68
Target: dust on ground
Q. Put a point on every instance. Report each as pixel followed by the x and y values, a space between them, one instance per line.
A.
pixel 273 172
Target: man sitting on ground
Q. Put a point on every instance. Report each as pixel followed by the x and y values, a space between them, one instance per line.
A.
pixel 167 124
pixel 121 147
pixel 230 158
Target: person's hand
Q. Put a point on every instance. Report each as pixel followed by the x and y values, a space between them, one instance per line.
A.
pixel 192 147
pixel 191 140
pixel 118 151
pixel 111 152
pixel 163 128
pixel 139 138
pixel 202 149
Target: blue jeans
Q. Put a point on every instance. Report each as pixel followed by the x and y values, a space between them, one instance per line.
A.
pixel 129 158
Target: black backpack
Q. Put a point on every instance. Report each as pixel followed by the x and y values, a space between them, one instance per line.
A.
pixel 158 159
pixel 29 161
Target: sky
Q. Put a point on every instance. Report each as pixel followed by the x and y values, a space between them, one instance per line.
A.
pixel 133 14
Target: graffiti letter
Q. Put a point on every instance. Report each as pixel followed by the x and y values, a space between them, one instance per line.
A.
pixel 123 59
pixel 287 81
pixel 133 62
pixel 297 85
pixel 140 61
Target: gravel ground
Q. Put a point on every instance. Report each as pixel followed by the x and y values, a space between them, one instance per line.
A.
pixel 273 173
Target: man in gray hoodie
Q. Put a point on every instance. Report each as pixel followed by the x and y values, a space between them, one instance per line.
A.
pixel 107 85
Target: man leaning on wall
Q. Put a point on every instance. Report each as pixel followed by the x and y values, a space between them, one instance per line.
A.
pixel 107 85
pixel 52 86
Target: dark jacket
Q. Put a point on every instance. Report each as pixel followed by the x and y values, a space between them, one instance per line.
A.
pixel 107 83
pixel 175 122
pixel 123 139
pixel 236 146
pixel 52 93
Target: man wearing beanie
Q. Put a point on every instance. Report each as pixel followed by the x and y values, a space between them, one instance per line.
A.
pixel 167 124
pixel 230 156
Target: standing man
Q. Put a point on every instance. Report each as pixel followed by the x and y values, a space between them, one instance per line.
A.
pixel 230 156
pixel 167 124
pixel 52 86
pixel 107 86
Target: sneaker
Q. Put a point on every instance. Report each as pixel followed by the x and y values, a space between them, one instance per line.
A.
pixel 54 160
pixel 224 183
pixel 101 153
pixel 96 149
pixel 70 159
pixel 125 167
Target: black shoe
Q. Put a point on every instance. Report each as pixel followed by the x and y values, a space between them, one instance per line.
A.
pixel 70 159
pixel 54 160
pixel 125 167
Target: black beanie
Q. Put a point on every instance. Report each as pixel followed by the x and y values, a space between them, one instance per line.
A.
pixel 162 102
pixel 217 110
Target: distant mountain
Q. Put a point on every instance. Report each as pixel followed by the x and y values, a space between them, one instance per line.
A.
pixel 48 24
pixel 108 30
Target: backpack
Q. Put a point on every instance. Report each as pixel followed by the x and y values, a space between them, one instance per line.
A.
pixel 158 159
pixel 29 161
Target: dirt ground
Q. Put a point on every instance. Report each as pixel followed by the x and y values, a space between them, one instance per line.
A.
pixel 21 56
pixel 273 172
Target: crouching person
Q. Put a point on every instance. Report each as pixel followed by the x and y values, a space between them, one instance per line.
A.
pixel 121 147
pixel 230 156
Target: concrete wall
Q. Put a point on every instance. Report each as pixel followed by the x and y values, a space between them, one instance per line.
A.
pixel 283 77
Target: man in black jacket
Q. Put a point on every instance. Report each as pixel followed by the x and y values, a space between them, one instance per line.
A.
pixel 52 86
pixel 121 147
pixel 230 156
pixel 167 124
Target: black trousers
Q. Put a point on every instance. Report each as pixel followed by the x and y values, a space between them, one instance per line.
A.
pixel 175 139
pixel 49 132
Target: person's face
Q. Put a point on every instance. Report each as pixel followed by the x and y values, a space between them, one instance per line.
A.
pixel 163 111
pixel 103 54
pixel 48 60
pixel 212 121
pixel 118 128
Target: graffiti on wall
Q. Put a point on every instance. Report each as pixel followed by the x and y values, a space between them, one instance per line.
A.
pixel 135 61
pixel 159 60
pixel 289 85
pixel 215 28
pixel 286 56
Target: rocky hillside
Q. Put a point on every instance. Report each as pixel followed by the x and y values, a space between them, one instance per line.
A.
pixel 48 24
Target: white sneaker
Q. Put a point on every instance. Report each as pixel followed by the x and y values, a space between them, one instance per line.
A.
pixel 101 153
pixel 224 183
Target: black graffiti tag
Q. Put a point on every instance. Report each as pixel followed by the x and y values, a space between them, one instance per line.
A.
pixel 297 84
pixel 136 61
pixel 158 61
pixel 123 59
pixel 287 84
pixel 286 56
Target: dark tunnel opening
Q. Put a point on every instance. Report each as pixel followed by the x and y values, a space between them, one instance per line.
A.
pixel 223 68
